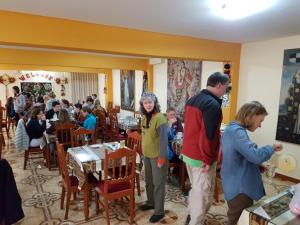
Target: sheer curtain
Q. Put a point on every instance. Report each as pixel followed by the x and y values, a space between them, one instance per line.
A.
pixel 83 84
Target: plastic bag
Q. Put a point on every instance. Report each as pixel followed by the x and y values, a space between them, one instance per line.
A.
pixel 295 202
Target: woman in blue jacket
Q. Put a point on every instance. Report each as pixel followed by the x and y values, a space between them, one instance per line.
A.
pixel 241 178
pixel 36 126
pixel 90 120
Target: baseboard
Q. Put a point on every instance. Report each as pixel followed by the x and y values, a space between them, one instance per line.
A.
pixel 284 177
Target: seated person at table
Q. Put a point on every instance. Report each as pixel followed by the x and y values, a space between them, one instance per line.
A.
pixel 89 103
pixel 63 118
pixel 174 121
pixel 78 114
pixel 66 105
pixel 52 114
pixel 241 178
pixel 35 127
pixel 175 126
pixel 90 119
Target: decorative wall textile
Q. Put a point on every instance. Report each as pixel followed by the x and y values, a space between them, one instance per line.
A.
pixel 36 88
pixel 184 79
pixel 127 83
pixel 83 85
pixel 288 126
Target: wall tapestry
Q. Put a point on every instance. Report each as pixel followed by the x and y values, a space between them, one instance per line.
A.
pixel 127 81
pixel 184 79
pixel 36 88
pixel 288 126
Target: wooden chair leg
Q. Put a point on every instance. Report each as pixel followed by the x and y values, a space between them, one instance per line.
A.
pixel 97 203
pixel 132 208
pixel 106 211
pixel 74 196
pixel 7 132
pixel 26 154
pixel 3 140
pixel 138 186
pixel 48 157
pixel 63 193
pixel 67 205
pixel 216 193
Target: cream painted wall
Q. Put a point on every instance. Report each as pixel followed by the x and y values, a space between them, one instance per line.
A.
pixel 160 79
pixel 208 68
pixel 117 93
pixel 260 79
pixel 160 83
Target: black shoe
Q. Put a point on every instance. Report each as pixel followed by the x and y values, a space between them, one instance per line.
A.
pixel 146 207
pixel 188 219
pixel 155 218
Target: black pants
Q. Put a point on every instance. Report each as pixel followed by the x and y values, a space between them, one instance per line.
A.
pixel 236 207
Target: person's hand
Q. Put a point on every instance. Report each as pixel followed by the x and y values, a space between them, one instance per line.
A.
pixel 277 147
pixel 160 162
pixel 205 168
pixel 171 121
pixel 43 117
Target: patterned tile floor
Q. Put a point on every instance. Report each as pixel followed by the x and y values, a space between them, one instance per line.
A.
pixel 40 192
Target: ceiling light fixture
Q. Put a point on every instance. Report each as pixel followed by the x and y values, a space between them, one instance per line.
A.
pixel 238 9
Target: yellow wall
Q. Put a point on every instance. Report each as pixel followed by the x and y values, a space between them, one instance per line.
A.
pixel 39 31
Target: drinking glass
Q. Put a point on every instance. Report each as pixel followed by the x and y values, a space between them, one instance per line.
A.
pixel 270 172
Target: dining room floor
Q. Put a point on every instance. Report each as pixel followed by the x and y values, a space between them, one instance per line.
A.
pixel 41 191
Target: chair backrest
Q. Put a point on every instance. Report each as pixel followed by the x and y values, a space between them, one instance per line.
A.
pixel 82 136
pixel 134 139
pixel 116 109
pixel 109 106
pixel 119 168
pixel 113 122
pixel 63 133
pixel 63 164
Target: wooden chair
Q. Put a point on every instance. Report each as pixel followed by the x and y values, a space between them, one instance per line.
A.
pixel 134 140
pixel 82 136
pixel 118 180
pixel 113 132
pixel 101 126
pixel 34 152
pixel 69 182
pixel 4 122
pixel 63 134
pixel 109 106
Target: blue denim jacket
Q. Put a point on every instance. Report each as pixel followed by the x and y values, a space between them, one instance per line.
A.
pixel 240 166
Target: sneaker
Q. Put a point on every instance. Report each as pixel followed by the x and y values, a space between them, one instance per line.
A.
pixel 146 207
pixel 188 219
pixel 155 218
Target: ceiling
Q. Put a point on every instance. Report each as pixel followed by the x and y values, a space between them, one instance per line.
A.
pixel 180 17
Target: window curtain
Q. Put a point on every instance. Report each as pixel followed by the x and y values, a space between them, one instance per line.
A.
pixel 83 85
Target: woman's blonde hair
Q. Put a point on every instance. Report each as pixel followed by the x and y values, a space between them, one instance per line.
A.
pixel 248 110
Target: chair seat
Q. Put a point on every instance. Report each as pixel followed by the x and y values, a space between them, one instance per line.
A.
pixel 113 187
pixel 74 180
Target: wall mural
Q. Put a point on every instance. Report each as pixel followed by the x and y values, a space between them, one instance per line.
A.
pixel 288 126
pixel 36 88
pixel 127 81
pixel 184 79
